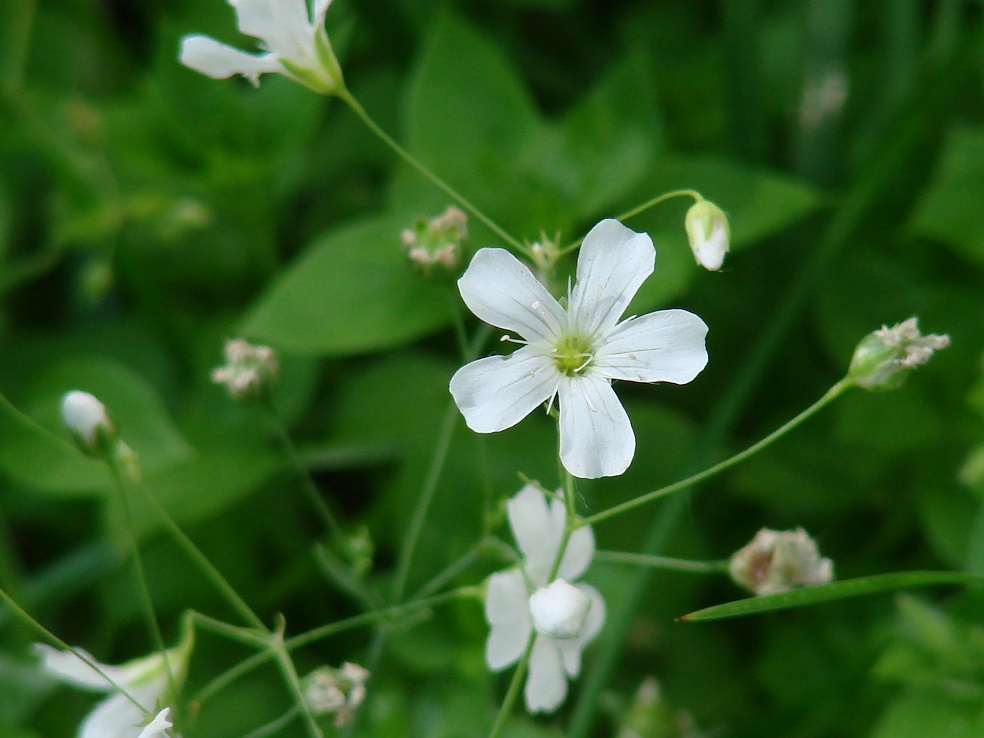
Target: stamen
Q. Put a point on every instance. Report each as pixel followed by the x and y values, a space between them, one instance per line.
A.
pixel 506 338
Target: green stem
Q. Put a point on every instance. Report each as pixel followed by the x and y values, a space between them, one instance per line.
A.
pixel 662 562
pixel 357 108
pixel 828 397
pixel 147 603
pixel 326 631
pixel 513 692
pixel 274 726
pixel 290 676
pixel 204 565
pixel 246 636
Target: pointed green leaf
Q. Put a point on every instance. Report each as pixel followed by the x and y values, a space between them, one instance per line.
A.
pixel 829 592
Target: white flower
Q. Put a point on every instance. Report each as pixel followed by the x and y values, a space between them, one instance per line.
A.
pixel 295 45
pixel 778 561
pixel 518 603
pixel 87 419
pixel 145 681
pixel 336 691
pixel 573 354
pixel 156 727
pixel 249 370
pixel 708 233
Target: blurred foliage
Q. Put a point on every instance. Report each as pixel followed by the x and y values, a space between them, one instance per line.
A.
pixel 147 212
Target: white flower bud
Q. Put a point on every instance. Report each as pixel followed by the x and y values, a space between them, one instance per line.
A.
pixel 338 692
pixel 436 242
pixel 884 358
pixel 88 421
pixel 709 234
pixel 559 610
pixel 778 561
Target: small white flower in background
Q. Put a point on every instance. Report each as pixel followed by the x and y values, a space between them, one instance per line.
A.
pixel 335 691
pixel 249 370
pixel 436 242
pixel 573 354
pixel 884 358
pixel 778 561
pixel 709 234
pixel 87 419
pixel 144 679
pixel 519 603
pixel 157 726
pixel 295 45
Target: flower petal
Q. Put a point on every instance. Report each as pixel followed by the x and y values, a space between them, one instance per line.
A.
pixel 537 530
pixel 318 11
pixel 283 25
pixel 117 716
pixel 665 346
pixel 497 392
pixel 507 611
pixel 612 264
pixel 157 726
pixel 546 685
pixel 596 438
pixel 570 650
pixel 500 290
pixel 577 557
pixel 218 61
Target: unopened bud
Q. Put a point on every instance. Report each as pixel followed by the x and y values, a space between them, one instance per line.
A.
pixel 709 234
pixel 559 610
pixel 87 419
pixel 884 358
pixel 436 243
pixel 545 252
pixel 249 370
pixel 338 692
pixel 778 561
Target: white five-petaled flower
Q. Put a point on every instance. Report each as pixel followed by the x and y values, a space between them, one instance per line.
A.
pixel 521 602
pixel 295 45
pixel 573 354
pixel 144 679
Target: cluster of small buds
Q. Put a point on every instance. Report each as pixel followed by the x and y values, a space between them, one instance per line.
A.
pixel 338 692
pixel 545 252
pixel 95 433
pixel 778 561
pixel 249 370
pixel 884 358
pixel 436 243
pixel 708 233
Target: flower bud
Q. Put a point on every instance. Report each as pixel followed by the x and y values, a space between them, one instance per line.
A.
pixel 249 370
pixel 559 610
pixel 339 692
pixel 709 234
pixel 778 561
pixel 87 419
pixel 436 243
pixel 884 358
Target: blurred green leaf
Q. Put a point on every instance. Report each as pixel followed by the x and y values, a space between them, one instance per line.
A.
pixel 353 291
pixel 829 592
pixel 922 713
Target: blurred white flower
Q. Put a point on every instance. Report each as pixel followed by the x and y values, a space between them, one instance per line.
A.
pixel 520 602
pixel 145 681
pixel 778 561
pixel 249 370
pixel 156 727
pixel 573 354
pixel 295 45
pixel 336 691
pixel 708 233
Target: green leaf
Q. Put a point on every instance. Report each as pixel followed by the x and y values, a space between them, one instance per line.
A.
pixel 950 210
pixel 829 592
pixel 351 292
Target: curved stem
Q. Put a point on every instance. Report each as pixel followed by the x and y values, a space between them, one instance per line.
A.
pixel 357 108
pixel 828 397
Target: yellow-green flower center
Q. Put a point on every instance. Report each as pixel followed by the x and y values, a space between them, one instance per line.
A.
pixel 572 354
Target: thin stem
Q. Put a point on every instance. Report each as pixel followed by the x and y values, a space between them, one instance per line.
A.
pixel 308 486
pixel 513 692
pixel 326 631
pixel 641 209
pixel 662 562
pixel 146 602
pixel 828 397
pixel 246 636
pixel 274 725
pixel 290 676
pixel 357 108
pixel 202 562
